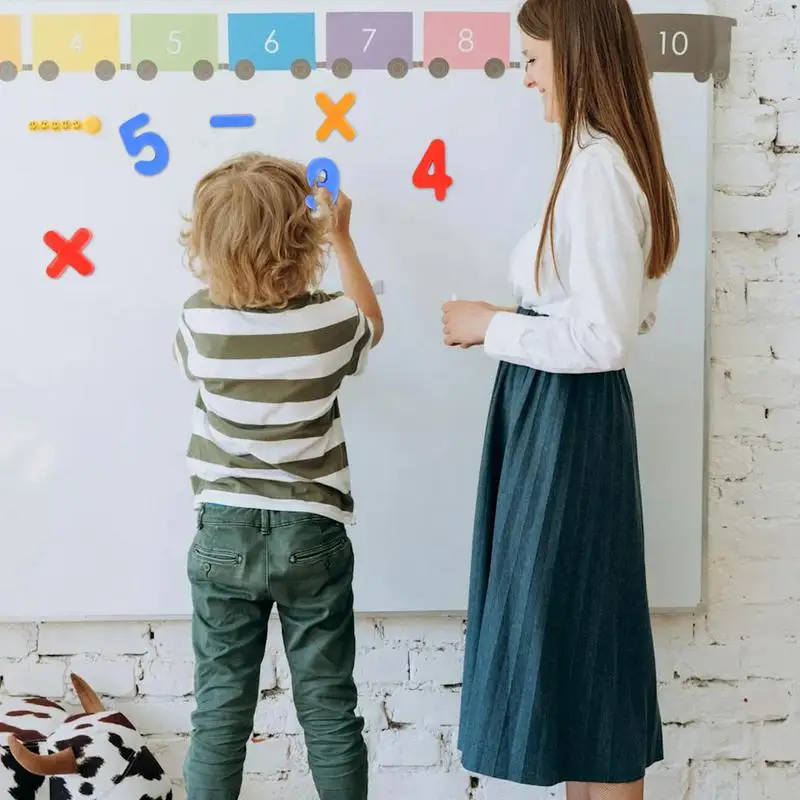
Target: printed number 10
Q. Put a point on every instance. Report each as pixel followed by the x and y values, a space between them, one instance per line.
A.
pixel 678 36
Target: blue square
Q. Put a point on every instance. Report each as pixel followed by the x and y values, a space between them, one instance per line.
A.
pixel 271 41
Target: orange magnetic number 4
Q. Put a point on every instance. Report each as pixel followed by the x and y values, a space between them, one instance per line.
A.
pixel 431 172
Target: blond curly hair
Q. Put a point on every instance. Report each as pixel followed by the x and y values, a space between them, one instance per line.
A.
pixel 251 238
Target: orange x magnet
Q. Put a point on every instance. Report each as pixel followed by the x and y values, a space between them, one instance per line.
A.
pixel 335 116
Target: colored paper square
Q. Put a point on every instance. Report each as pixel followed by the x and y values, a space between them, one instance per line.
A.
pixel 174 42
pixel 271 41
pixel 370 39
pixel 76 42
pixel 10 40
pixel 467 39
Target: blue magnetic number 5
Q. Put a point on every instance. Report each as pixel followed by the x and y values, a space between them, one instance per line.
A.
pixel 324 173
pixel 136 142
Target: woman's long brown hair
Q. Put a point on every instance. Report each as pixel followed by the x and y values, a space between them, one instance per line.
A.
pixel 602 81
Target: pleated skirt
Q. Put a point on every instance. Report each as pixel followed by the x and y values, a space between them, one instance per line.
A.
pixel 559 670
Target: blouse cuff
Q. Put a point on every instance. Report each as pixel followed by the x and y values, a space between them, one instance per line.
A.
pixel 504 336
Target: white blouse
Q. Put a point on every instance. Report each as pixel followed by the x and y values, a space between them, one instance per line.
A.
pixel 600 298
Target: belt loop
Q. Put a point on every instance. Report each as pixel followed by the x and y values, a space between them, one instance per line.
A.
pixel 200 514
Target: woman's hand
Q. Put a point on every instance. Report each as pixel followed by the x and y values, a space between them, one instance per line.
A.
pixel 465 322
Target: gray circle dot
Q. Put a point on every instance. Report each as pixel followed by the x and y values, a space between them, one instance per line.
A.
pixel 439 67
pixel 495 68
pixel 48 70
pixel 342 68
pixel 245 69
pixel 8 71
pixel 203 70
pixel 398 68
pixel 301 68
pixel 105 70
pixel 146 70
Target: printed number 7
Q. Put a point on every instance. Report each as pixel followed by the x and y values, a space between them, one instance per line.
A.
pixel 371 32
pixel 136 142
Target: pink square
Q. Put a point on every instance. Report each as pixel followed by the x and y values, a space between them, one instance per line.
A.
pixel 467 39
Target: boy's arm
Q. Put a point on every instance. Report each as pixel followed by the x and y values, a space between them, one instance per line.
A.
pixel 356 285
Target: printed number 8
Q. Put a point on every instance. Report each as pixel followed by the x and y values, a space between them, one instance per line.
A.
pixel 324 173
pixel 465 40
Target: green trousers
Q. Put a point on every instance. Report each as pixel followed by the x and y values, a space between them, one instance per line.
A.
pixel 242 562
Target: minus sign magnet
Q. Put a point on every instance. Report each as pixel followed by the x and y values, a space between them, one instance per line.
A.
pixel 233 121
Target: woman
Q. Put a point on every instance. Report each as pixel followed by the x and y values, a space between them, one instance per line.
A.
pixel 559 675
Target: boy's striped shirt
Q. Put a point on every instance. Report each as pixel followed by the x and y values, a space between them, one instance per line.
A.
pixel 267 431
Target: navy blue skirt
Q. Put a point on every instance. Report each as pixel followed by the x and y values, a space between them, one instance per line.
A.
pixel 559 669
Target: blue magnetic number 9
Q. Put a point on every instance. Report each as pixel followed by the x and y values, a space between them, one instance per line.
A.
pixel 136 142
pixel 324 173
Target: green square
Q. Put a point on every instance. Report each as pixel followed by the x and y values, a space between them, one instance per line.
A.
pixel 174 42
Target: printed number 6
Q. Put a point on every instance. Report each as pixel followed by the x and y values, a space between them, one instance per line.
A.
pixel 135 142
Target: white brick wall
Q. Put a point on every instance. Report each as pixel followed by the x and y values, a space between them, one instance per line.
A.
pixel 730 679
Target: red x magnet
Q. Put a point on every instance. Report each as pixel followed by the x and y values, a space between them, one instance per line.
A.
pixel 69 252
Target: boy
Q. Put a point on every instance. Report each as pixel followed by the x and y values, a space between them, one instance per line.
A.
pixel 269 467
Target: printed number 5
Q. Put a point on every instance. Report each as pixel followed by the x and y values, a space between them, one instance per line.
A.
pixel 174 43
pixel 135 142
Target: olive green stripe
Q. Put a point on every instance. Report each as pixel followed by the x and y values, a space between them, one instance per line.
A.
pixel 279 391
pixel 294 390
pixel 201 300
pixel 277 490
pixel 334 460
pixel 306 429
pixel 184 355
pixel 312 342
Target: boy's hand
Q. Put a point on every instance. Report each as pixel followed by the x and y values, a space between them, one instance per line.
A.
pixel 340 230
pixel 341 210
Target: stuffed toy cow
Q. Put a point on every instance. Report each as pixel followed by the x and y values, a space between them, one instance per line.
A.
pixel 47 754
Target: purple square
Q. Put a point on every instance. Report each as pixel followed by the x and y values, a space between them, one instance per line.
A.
pixel 370 39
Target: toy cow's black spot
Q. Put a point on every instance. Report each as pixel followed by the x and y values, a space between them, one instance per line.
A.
pixel 86 789
pixel 58 789
pixel 25 784
pixel 147 766
pixel 83 727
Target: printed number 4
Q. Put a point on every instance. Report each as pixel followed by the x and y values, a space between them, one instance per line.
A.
pixel 431 172
pixel 371 32
pixel 134 142
pixel 77 43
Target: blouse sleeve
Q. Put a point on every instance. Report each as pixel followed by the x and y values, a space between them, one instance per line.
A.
pixel 600 258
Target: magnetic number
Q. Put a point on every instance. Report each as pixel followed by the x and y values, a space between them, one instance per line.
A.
pixel 134 142
pixel 370 37
pixel 466 43
pixel 272 45
pixel 324 173
pixel 77 43
pixel 431 172
pixel 174 43
pixel 678 36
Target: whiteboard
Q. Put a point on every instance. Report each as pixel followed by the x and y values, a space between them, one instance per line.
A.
pixel 94 416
